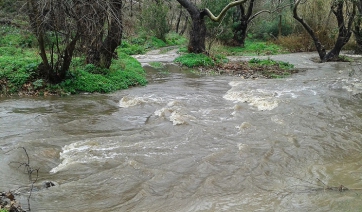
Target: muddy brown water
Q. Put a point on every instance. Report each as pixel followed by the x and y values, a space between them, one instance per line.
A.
pixel 193 143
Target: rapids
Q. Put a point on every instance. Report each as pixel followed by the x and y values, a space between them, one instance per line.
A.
pixel 193 143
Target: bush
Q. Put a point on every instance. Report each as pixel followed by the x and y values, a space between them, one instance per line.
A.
pixel 123 73
pixel 270 62
pixel 252 47
pixel 270 29
pixel 193 60
pixel 12 36
pixel 139 45
pixel 175 39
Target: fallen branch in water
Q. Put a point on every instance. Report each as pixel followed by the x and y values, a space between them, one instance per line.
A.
pixel 325 187
pixel 30 171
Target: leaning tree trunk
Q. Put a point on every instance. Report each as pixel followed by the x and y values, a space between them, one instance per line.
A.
pixel 344 32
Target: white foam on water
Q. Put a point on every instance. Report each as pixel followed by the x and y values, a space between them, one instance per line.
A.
pixel 177 119
pixel 84 152
pixel 131 101
pixel 175 112
pixel 127 101
pixel 353 86
pixel 262 101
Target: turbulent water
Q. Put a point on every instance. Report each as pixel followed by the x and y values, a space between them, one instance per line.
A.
pixel 191 143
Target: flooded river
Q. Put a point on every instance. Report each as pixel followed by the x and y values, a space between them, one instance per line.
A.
pixel 193 143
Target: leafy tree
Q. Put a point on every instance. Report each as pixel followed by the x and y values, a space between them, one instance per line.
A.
pixel 60 25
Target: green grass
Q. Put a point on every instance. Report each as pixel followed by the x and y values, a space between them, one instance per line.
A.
pixel 18 71
pixel 270 62
pixel 193 60
pixel 271 68
pixel 156 65
pixel 123 73
pixel 143 43
pixel 252 48
pixel 15 37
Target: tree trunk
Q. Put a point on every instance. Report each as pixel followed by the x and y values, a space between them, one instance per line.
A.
pixel 178 21
pixel 244 17
pixel 344 32
pixel 357 28
pixel 240 33
pixel 358 36
pixel 185 26
pixel 102 53
pixel 280 26
pixel 197 35
pixel 198 28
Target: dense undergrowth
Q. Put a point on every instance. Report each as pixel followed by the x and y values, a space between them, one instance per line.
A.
pixel 142 43
pixel 19 59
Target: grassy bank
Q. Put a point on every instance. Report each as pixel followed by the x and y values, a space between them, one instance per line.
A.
pixel 19 59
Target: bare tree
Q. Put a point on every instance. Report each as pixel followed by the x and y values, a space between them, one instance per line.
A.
pixel 103 40
pixel 45 16
pixel 60 25
pixel 344 27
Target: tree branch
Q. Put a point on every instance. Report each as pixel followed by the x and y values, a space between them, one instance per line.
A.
pixel 223 12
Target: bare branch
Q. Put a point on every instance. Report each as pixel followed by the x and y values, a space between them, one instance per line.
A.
pixel 223 12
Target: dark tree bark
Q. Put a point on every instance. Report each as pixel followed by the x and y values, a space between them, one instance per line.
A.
pixel 101 52
pixel 344 31
pixel 243 20
pixel 178 21
pixel 185 25
pixel 53 72
pixel 357 28
pixel 198 28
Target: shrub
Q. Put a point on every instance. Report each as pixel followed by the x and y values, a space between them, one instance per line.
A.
pixel 270 62
pixel 252 47
pixel 193 60
pixel 270 29
pixel 124 72
pixel 175 39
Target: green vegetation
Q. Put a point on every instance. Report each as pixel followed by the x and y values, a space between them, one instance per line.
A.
pixel 123 73
pixel 193 60
pixel 143 43
pixel 3 210
pixel 156 65
pixel 252 48
pixel 19 74
pixel 271 68
pixel 270 62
